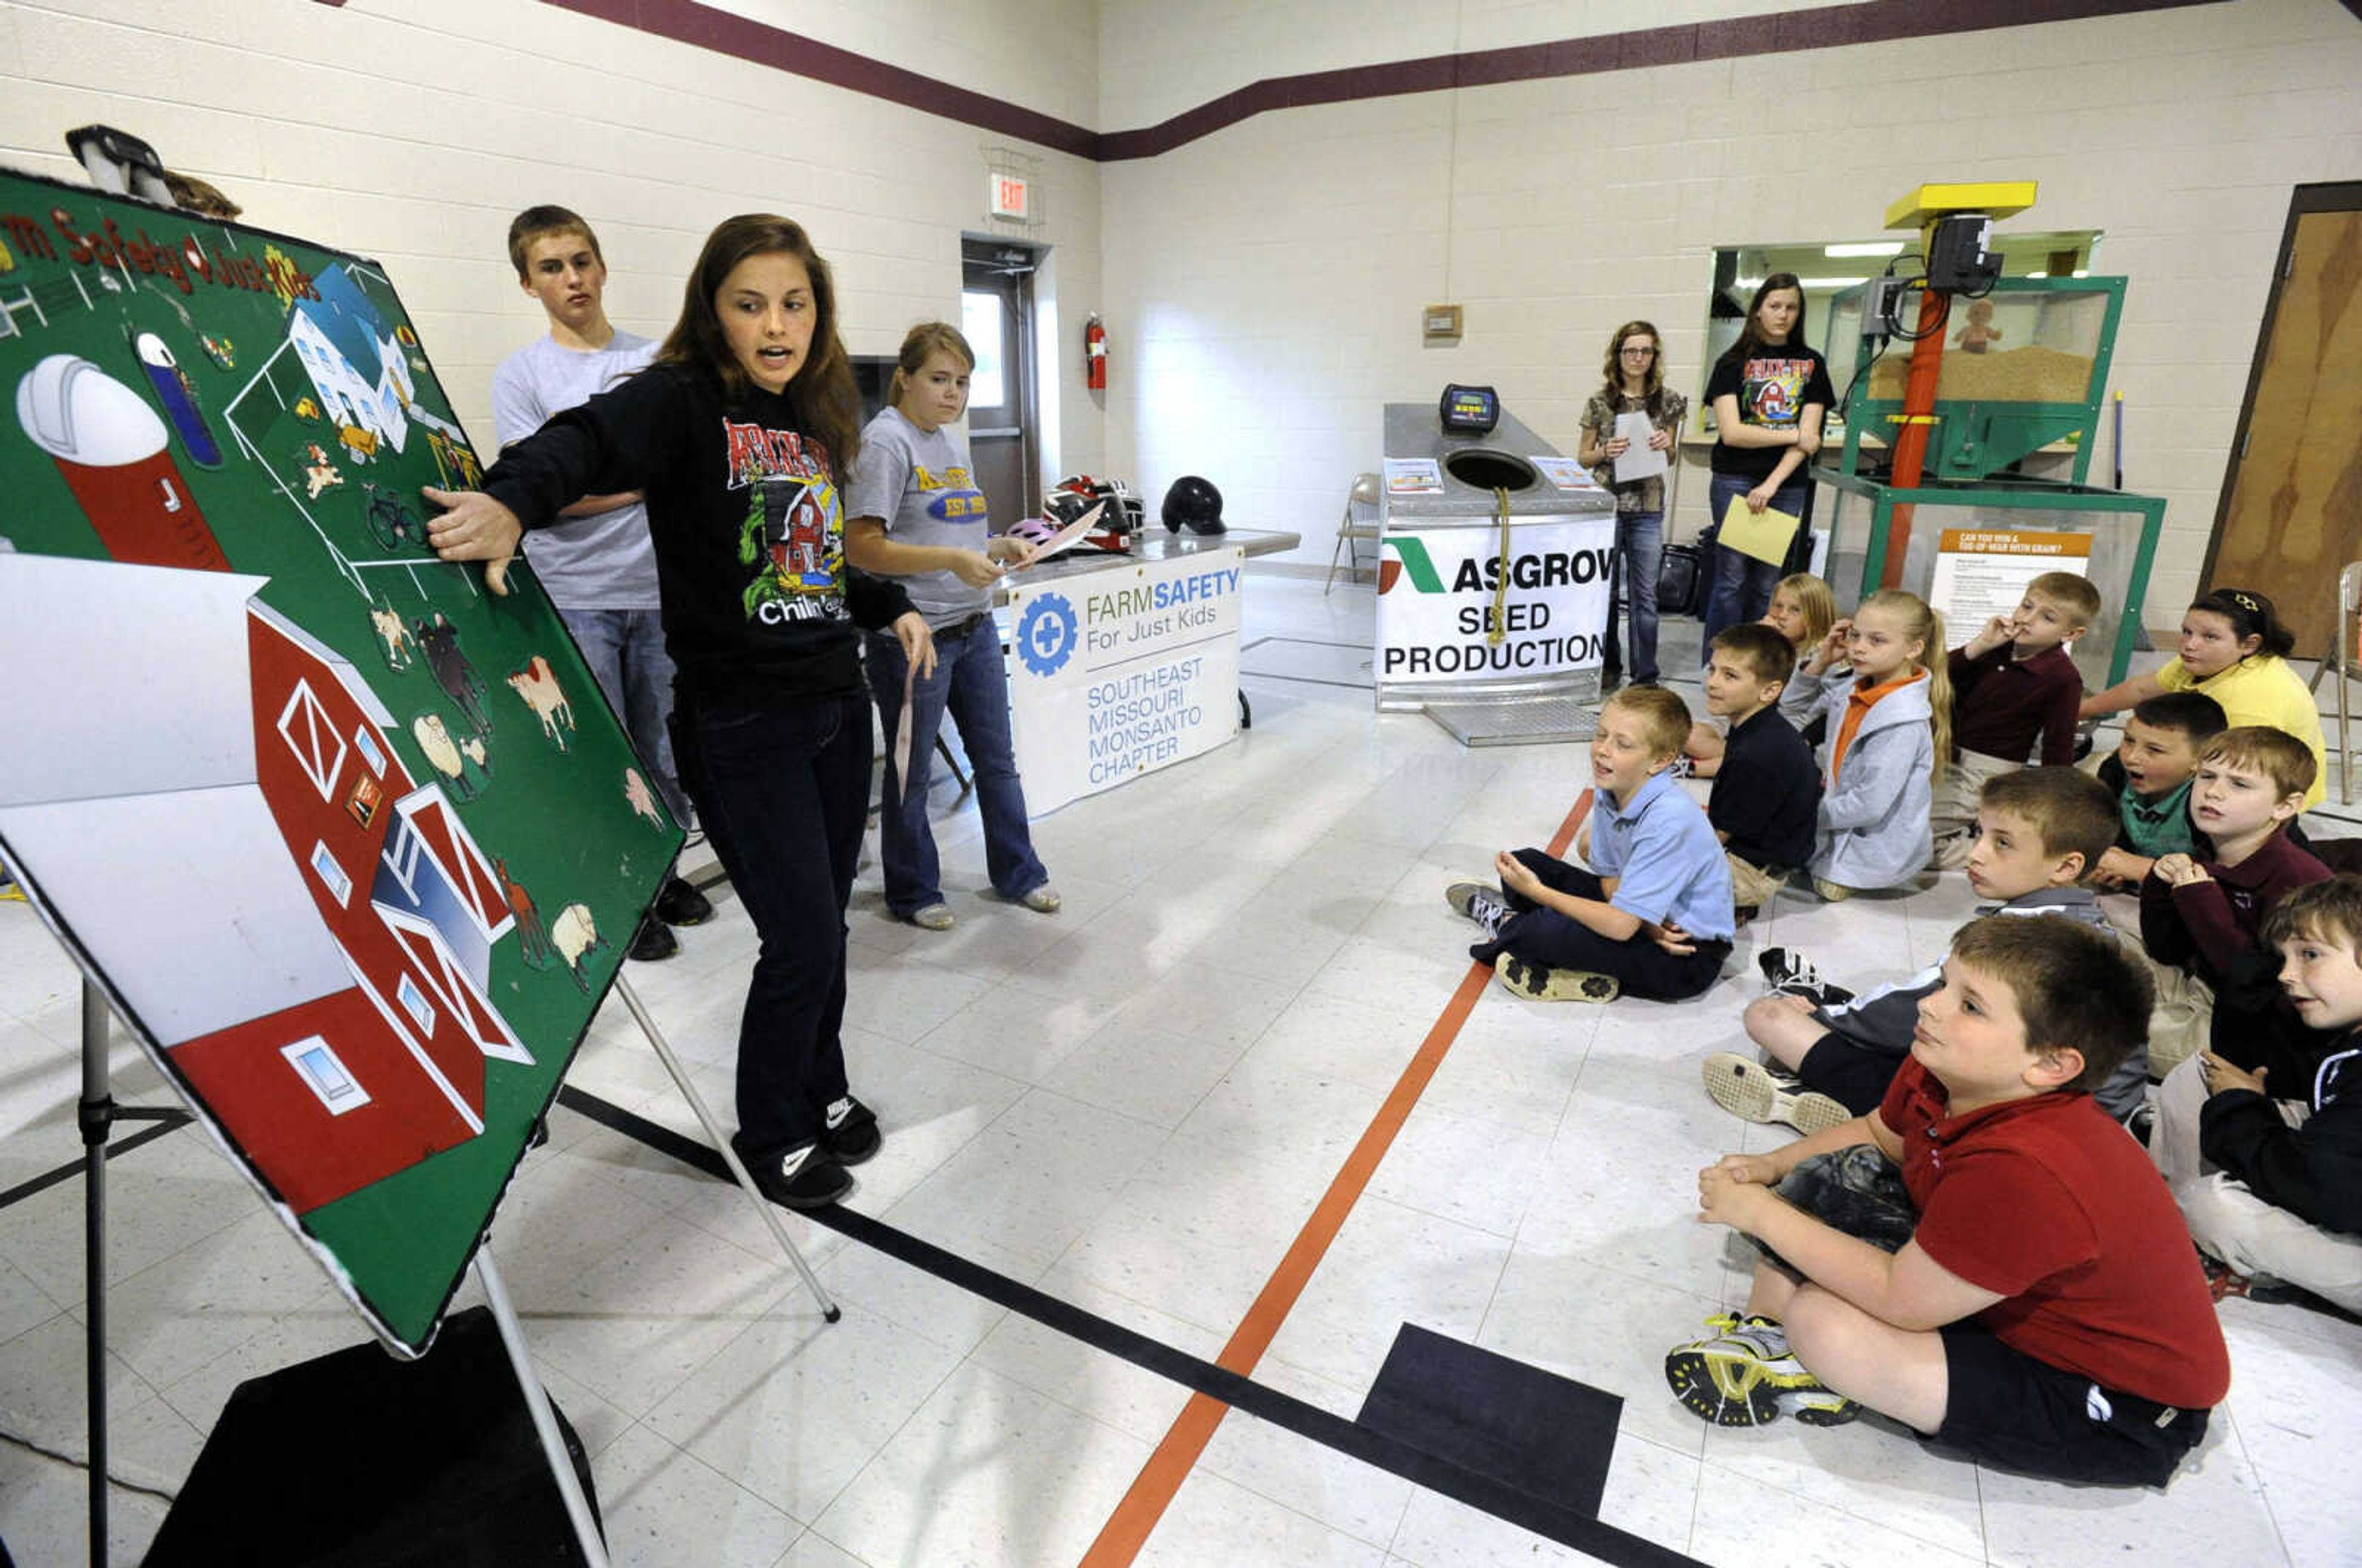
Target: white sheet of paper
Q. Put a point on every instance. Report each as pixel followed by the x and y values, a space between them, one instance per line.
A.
pixel 902 734
pixel 1639 460
pixel 1073 531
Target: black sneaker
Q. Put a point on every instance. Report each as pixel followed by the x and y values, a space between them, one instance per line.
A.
pixel 808 1177
pixel 852 1136
pixel 678 904
pixel 654 941
pixel 1792 972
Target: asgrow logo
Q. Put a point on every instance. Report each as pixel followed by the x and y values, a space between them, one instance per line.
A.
pixel 1410 560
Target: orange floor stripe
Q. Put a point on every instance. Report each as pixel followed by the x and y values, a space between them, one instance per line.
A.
pixel 1151 1492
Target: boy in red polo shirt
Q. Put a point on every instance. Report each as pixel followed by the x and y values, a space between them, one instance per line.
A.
pixel 1985 1257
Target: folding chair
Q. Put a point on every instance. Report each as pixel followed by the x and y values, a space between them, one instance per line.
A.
pixel 1359 522
pixel 2344 657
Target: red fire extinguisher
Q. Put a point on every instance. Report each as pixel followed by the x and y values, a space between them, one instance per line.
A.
pixel 1095 356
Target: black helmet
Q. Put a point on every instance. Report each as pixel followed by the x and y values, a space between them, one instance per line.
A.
pixel 1193 503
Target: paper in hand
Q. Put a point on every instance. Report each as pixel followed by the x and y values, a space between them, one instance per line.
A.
pixel 1639 460
pixel 902 733
pixel 1066 535
pixel 1763 534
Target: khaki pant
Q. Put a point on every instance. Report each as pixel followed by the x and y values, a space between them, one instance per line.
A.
pixel 2232 1223
pixel 2180 1019
pixel 1751 885
pixel 1953 811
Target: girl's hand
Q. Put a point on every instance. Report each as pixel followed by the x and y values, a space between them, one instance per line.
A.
pixel 918 643
pixel 1808 442
pixel 975 568
pixel 1516 875
pixel 1616 446
pixel 1760 497
pixel 1831 649
pixel 1661 440
pixel 1011 552
pixel 474 527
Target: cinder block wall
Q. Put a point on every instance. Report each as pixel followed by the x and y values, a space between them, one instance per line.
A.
pixel 1266 280
pixel 413 131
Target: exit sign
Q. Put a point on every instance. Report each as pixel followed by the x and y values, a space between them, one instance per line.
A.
pixel 1008 196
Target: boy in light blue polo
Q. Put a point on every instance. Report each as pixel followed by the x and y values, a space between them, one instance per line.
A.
pixel 1655 919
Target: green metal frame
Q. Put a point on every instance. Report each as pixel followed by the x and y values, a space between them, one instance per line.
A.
pixel 2016 495
pixel 1973 440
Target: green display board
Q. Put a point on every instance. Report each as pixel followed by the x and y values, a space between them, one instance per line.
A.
pixel 353 847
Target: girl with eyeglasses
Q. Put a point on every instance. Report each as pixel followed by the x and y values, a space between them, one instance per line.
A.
pixel 1634 383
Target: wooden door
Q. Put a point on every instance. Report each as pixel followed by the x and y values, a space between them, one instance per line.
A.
pixel 2291 515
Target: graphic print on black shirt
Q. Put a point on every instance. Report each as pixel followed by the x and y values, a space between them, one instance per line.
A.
pixel 1771 392
pixel 793 534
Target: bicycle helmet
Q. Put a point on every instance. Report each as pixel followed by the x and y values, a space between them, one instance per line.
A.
pixel 1195 504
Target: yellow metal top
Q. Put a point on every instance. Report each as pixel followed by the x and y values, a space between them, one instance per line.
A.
pixel 2000 198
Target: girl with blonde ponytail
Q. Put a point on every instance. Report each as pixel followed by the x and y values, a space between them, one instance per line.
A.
pixel 1888 716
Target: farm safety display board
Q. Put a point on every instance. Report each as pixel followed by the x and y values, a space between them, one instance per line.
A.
pixel 1441 594
pixel 1121 672
pixel 352 847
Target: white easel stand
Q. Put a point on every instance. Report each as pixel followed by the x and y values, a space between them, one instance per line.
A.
pixel 829 1310
pixel 536 1404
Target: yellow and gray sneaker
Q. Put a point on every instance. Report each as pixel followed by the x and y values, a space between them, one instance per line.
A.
pixel 1745 1375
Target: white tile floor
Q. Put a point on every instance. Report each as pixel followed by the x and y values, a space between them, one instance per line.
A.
pixel 1132 1105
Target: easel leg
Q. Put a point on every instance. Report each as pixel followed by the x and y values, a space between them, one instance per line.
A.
pixel 96 1114
pixel 829 1310
pixel 536 1404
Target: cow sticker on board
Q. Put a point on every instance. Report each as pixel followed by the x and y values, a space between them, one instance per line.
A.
pixel 261 790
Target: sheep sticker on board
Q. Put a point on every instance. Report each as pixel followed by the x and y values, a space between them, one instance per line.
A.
pixel 259 782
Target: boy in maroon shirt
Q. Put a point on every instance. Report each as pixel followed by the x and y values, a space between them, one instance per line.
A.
pixel 2012 686
pixel 1985 1257
pixel 2200 920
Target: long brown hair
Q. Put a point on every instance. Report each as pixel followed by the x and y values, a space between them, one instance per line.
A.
pixel 1750 337
pixel 823 401
pixel 1653 395
pixel 919 344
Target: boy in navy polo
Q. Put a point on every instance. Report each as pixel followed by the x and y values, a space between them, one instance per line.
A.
pixel 1655 919
pixel 1985 1257
pixel 1767 791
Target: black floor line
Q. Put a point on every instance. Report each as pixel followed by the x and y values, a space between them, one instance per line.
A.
pixel 166 1122
pixel 1566 1526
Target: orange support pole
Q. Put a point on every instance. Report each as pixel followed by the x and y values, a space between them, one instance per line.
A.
pixel 1918 423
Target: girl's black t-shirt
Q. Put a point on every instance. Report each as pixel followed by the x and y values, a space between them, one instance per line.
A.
pixel 759 604
pixel 1772 387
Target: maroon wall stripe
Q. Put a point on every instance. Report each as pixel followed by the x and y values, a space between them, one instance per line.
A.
pixel 1782 32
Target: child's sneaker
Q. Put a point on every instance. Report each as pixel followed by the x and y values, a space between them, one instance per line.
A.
pixel 1479 903
pixel 1538 982
pixel 1758 1091
pixel 1745 1375
pixel 1788 969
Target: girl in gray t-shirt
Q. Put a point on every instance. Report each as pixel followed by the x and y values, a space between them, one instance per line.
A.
pixel 913 512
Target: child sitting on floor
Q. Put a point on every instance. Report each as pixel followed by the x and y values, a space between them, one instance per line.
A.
pixel 2200 919
pixel 1767 792
pixel 1985 1257
pixel 1832 1054
pixel 1557 933
pixel 2150 772
pixel 2012 686
pixel 1889 722
pixel 1802 610
pixel 2272 1187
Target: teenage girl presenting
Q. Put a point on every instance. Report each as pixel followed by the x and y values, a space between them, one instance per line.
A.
pixel 914 512
pixel 1635 384
pixel 1769 392
pixel 735 432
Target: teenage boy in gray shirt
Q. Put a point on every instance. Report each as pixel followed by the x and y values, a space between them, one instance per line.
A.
pixel 599 566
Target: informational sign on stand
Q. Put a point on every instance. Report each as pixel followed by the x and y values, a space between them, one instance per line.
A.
pixel 1438 590
pixel 1117 673
pixel 351 848
pixel 1982 572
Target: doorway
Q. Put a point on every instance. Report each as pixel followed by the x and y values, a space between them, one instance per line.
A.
pixel 1003 422
pixel 2291 515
